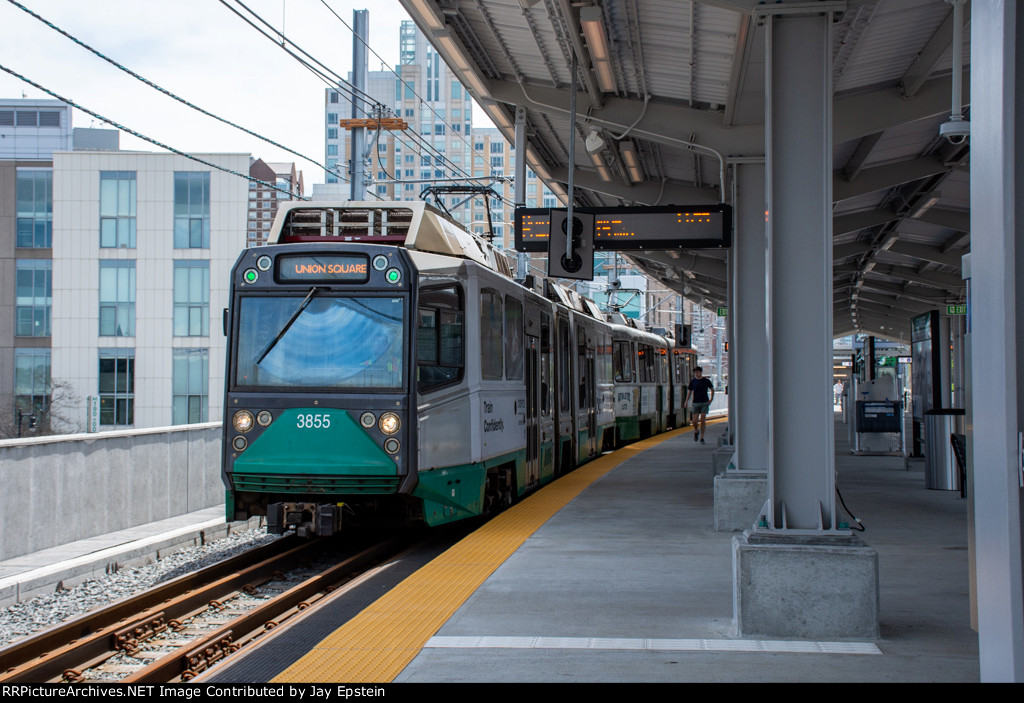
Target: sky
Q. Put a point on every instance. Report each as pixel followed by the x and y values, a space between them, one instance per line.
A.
pixel 202 52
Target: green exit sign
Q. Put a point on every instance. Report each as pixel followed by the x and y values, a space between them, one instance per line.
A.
pixel 723 312
pixel 956 309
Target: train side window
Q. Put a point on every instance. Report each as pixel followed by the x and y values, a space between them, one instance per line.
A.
pixel 622 369
pixel 440 337
pixel 491 328
pixel 514 349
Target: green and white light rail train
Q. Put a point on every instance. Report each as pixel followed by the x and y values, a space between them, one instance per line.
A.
pixel 383 367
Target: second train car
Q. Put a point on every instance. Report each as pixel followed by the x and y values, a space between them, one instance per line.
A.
pixel 384 367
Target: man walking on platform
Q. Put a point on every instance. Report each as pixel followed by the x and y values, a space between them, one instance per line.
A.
pixel 699 388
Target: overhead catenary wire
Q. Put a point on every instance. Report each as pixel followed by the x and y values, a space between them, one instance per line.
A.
pixel 402 80
pixel 351 89
pixel 168 93
pixel 331 78
pixel 139 135
pixel 418 142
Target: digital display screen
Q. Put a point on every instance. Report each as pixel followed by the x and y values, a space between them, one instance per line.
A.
pixel 636 228
pixel 532 229
pixel 323 268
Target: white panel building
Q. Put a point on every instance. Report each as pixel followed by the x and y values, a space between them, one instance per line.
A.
pixel 143 245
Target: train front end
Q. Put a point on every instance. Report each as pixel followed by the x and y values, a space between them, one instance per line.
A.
pixel 318 427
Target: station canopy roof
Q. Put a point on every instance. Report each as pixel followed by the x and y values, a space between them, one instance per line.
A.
pixel 671 74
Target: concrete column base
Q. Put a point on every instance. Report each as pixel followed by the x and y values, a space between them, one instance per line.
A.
pixel 739 497
pixel 721 457
pixel 820 588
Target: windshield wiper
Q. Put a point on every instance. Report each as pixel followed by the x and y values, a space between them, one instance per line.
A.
pixel 287 326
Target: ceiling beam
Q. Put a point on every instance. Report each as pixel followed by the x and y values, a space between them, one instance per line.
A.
pixel 860 155
pixel 646 192
pixel 925 252
pixel 841 251
pixel 954 219
pixel 924 296
pixel 888 176
pixel 661 122
pixel 740 61
pixel 856 221
pixel 858 115
pixel 868 307
pixel 957 241
pixel 891 301
pixel 884 325
pixel 854 116
pixel 936 279
pixel 928 58
pixel 713 269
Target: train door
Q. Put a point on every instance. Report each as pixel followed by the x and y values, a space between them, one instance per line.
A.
pixel 587 372
pixel 672 391
pixel 533 394
pixel 547 399
pixel 591 406
pixel 565 441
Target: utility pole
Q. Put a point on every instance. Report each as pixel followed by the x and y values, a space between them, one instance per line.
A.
pixel 360 37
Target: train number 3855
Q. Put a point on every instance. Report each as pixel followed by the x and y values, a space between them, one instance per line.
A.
pixel 314 422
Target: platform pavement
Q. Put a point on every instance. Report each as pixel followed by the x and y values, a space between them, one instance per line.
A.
pixel 634 564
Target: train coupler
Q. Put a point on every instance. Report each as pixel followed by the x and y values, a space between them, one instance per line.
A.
pixel 306 519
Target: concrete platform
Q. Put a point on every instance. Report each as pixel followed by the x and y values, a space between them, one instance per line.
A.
pixel 630 582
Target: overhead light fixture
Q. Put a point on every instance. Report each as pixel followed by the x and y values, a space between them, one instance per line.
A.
pixel 927 202
pixel 537 165
pixel 452 50
pixel 602 169
pixel 592 25
pixel 429 12
pixel 629 158
pixel 594 142
pixel 472 80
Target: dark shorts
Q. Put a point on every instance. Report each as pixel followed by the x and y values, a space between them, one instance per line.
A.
pixel 700 408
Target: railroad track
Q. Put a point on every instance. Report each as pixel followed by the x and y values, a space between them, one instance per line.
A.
pixel 177 630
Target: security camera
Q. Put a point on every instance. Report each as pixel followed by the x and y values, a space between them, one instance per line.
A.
pixel 615 283
pixel 955 131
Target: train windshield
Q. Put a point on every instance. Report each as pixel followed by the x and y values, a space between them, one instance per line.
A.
pixel 333 342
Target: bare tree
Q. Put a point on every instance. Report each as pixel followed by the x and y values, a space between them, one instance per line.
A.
pixel 41 415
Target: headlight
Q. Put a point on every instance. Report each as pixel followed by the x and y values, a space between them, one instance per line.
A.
pixel 242 421
pixel 389 423
pixel 391 445
pixel 264 418
pixel 239 443
pixel 367 420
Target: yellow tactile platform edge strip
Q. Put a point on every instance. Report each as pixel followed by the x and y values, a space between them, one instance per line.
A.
pixel 377 644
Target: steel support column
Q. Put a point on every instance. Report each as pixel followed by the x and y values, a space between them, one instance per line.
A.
pixel 995 324
pixel 748 368
pixel 796 573
pixel 801 481
pixel 730 337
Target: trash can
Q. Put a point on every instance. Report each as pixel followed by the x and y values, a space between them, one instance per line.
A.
pixel 941 472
